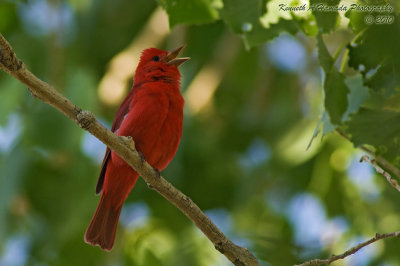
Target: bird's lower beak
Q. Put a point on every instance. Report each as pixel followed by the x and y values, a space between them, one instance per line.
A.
pixel 172 59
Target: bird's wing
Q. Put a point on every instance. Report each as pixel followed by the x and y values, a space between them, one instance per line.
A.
pixel 119 117
pixel 100 180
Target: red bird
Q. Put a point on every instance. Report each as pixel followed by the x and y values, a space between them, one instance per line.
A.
pixel 152 114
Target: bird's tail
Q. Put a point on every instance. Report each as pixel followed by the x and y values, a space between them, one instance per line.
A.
pixel 103 226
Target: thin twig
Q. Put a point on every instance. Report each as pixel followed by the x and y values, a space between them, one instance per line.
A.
pixel 382 161
pixel 377 237
pixel 124 147
pixel 350 251
pixel 392 182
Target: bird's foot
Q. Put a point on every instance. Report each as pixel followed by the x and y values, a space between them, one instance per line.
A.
pixel 142 157
pixel 158 174
pixel 129 142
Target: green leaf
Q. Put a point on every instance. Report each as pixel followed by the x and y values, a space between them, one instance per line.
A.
pixel 335 95
pixel 191 12
pixel 357 19
pixel 324 57
pixel 386 79
pixel 326 125
pixel 243 17
pixel 379 128
pixel 260 34
pixel 356 23
pixel 307 25
pixel 326 20
pixel 358 94
pixel 376 54
pixel 264 6
pixel 335 89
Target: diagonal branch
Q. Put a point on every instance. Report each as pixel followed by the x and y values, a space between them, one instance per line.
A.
pixel 351 250
pixel 382 161
pixel 392 182
pixel 124 147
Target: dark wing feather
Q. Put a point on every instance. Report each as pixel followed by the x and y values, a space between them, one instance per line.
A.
pixel 100 180
pixel 119 117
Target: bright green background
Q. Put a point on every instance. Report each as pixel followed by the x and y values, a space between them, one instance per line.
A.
pixel 242 159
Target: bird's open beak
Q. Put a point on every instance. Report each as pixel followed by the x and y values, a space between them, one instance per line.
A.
pixel 172 59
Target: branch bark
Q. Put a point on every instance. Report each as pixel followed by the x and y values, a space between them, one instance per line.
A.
pixel 125 148
pixel 382 161
pixel 392 182
pixel 350 251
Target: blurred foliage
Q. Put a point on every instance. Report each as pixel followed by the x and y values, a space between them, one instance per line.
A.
pixel 243 156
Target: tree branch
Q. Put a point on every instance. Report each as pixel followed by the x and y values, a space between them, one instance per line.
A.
pixel 382 161
pixel 392 182
pixel 124 147
pixel 377 237
pixel 350 251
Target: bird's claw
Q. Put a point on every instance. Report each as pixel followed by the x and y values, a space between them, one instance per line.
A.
pixel 142 157
pixel 129 142
pixel 158 174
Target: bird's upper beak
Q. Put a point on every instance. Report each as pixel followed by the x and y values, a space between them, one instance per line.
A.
pixel 172 59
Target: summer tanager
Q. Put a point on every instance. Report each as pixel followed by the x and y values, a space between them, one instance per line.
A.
pixel 152 114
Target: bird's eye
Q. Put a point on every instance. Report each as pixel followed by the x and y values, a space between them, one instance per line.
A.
pixel 156 58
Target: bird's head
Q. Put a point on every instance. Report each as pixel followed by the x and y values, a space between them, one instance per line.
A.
pixel 159 65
